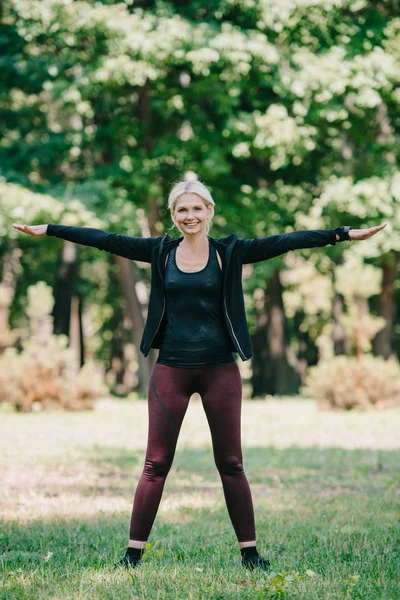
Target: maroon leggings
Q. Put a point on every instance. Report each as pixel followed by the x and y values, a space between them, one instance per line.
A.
pixel 170 388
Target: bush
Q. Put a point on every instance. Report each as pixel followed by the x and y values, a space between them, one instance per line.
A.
pixel 344 383
pixel 43 376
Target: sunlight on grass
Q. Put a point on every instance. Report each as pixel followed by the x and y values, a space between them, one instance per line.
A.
pixel 84 463
pixel 175 502
pixel 324 487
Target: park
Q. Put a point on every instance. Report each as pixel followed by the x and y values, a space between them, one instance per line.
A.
pixel 199 300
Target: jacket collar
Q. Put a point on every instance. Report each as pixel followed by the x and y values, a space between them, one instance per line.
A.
pixel 225 245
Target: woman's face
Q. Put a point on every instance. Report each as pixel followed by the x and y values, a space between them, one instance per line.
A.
pixel 191 213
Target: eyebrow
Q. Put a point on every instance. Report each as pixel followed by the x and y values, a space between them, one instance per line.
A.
pixel 196 206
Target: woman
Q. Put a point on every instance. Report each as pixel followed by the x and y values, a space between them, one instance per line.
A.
pixel 196 318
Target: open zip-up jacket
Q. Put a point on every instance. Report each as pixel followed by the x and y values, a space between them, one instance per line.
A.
pixel 234 253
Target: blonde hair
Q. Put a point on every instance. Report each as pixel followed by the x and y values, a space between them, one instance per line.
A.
pixel 191 187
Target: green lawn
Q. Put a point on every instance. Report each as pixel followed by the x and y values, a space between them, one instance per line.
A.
pixel 325 490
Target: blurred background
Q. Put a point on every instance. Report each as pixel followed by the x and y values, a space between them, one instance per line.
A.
pixel 288 112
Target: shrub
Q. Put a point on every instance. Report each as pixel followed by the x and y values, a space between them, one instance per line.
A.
pixel 343 382
pixel 43 376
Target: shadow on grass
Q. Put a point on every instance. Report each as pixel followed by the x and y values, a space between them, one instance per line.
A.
pixel 114 472
pixel 325 509
pixel 266 464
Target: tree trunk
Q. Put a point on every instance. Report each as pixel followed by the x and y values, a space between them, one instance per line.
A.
pixel 76 330
pixel 308 351
pixel 81 332
pixel 64 289
pixel 117 360
pixel 284 378
pixel 260 354
pixel 127 273
pixel 144 109
pixel 274 369
pixel 338 333
pixel 382 343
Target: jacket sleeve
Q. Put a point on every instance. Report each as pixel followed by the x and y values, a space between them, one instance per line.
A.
pixel 257 249
pixel 135 248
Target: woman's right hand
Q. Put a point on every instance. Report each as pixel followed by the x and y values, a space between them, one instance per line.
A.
pixel 36 230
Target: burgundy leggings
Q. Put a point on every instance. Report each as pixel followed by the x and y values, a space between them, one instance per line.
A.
pixel 170 388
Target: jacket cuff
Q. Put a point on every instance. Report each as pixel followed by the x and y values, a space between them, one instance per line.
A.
pixel 343 233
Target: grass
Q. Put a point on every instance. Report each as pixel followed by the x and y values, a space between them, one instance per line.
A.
pixel 324 486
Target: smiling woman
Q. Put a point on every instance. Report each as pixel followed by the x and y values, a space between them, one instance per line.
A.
pixel 192 208
pixel 196 317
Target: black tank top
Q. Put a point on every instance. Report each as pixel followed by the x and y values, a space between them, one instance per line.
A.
pixel 195 333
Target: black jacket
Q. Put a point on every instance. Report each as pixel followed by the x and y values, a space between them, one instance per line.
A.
pixel 234 253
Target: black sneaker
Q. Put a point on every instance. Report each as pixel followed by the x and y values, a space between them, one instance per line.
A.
pixel 252 562
pixel 127 562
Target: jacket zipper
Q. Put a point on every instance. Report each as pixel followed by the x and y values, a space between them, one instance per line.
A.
pixel 158 326
pixel 163 310
pixel 233 333
pixel 243 356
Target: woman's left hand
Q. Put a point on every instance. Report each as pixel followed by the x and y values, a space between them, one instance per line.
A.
pixel 363 234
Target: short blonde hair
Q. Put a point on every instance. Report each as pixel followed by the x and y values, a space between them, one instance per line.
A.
pixel 191 187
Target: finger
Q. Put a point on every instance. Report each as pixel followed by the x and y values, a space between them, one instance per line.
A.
pixel 374 230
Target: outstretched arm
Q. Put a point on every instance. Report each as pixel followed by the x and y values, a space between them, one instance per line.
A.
pixel 134 248
pixel 257 249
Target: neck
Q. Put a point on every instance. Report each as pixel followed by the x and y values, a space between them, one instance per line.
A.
pixel 194 243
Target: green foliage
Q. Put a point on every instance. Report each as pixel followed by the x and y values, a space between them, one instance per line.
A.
pixel 19 204
pixel 343 382
pixel 365 202
pixel 152 550
pixel 288 582
pixel 287 109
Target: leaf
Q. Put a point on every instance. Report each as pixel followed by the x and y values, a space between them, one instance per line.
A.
pixel 353 580
pixel 132 576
